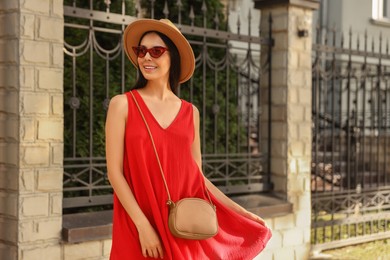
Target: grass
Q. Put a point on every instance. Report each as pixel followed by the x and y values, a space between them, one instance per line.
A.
pixel 376 250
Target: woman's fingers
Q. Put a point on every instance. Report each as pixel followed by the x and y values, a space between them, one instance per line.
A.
pixel 155 252
pixel 160 252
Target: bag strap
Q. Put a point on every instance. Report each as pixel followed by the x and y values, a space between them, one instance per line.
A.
pixel 169 202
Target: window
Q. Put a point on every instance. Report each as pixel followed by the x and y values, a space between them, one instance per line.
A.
pixel 381 10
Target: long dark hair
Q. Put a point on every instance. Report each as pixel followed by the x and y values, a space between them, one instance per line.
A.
pixel 174 70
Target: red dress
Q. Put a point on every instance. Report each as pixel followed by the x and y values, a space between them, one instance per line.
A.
pixel 238 238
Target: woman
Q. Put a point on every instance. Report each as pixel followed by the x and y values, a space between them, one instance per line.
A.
pixel 165 59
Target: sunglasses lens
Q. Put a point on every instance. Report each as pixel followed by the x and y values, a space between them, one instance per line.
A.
pixel 156 52
pixel 140 51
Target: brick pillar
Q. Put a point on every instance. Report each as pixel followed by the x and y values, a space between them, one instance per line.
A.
pixel 31 129
pixel 290 118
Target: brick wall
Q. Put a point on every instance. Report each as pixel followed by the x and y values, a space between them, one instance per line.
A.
pixel 31 137
pixel 291 128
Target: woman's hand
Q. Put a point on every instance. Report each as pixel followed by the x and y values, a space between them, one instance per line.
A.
pixel 150 242
pixel 253 217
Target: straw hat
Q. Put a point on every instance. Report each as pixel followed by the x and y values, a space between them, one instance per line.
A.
pixel 136 29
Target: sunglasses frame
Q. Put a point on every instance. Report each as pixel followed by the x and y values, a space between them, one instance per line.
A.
pixel 143 50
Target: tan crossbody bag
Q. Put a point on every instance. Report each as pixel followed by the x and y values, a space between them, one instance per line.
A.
pixel 189 218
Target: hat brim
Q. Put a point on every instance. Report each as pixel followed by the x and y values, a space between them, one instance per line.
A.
pixel 136 29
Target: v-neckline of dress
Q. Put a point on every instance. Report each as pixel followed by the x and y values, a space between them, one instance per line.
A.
pixel 154 118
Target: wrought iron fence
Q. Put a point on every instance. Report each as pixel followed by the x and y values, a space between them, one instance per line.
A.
pixel 351 138
pixel 225 88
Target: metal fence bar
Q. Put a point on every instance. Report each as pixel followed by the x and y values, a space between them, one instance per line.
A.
pixel 350 191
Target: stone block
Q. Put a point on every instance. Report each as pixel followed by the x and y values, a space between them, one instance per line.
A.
pixel 27 129
pixel 8 251
pixel 35 103
pixel 305 60
pixel 8 204
pixel 56 204
pixel 38 251
pixel 296 182
pixel 11 20
pixel 27 181
pixel 9 102
pixel 10 128
pixel 107 247
pixel 35 155
pixel 35 206
pixel 50 79
pixel 293 59
pixel 8 177
pixel 302 252
pixel 57 105
pixel 280 183
pixel 292 237
pixel 305 131
pixel 279 166
pixel 303 219
pixel 27 26
pixel 9 5
pixel 285 253
pixel 57 154
pixel 304 201
pixel 279 148
pixel 307 235
pixel 279 130
pixel 280 23
pixel 304 166
pixel 49 179
pixel 34 52
pixel 304 95
pixel 276 241
pixel 279 113
pixel 35 6
pixel 295 78
pixel 27 78
pixel 293 131
pixel 8 230
pixel 281 41
pixel 9 51
pixel 9 153
pixel 284 222
pixel 279 79
pixel 265 255
pixel 50 129
pixel 51 29
pixel 89 249
pixel 293 96
pixel 296 148
pixel 279 95
pixel 57 57
pixel 296 113
pixel 40 229
pixel 279 59
pixel 9 76
pixel 58 8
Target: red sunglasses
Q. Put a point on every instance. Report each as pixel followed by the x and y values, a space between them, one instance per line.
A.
pixel 155 52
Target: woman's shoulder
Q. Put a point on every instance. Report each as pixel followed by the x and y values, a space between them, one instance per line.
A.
pixel 118 102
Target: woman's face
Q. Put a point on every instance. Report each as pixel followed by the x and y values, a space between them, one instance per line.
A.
pixel 154 68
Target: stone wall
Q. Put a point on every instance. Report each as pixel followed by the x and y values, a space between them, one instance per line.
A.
pixel 290 135
pixel 31 137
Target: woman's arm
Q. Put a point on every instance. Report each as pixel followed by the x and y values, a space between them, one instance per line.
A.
pixel 196 153
pixel 115 133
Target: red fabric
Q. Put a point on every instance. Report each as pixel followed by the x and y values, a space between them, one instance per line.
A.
pixel 238 238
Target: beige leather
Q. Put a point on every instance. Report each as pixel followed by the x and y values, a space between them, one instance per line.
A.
pixel 193 218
